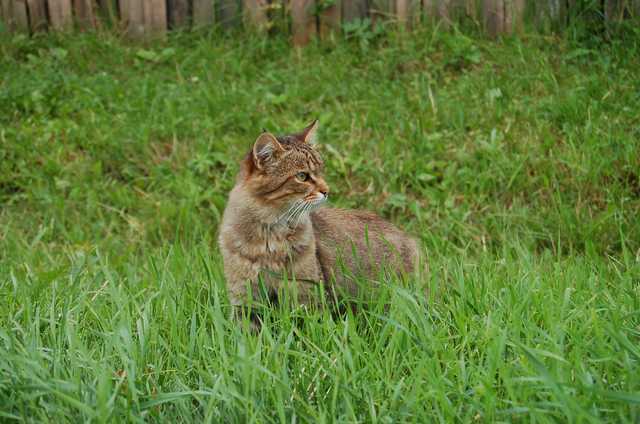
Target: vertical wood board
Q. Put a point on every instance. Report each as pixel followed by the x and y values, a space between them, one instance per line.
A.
pixel 354 9
pixel 60 14
pixel 228 13
pixel 178 11
pixel 107 11
pixel 303 25
pixel 37 15
pixel 133 17
pixel 84 13
pixel 20 15
pixel 256 14
pixel 331 19
pixel 155 15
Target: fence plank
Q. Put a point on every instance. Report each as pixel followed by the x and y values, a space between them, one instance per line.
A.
pixel 407 11
pixel 445 13
pixel 256 14
pixel 354 9
pixel 84 14
pixel 402 8
pixel 20 15
pixel 429 10
pixel 519 8
pixel 107 10
pixel 7 14
pixel 303 21
pixel 203 12
pixel 494 19
pixel 132 12
pixel 155 17
pixel 438 11
pixel 381 9
pixel 507 17
pixel 228 12
pixel 178 11
pixel 37 15
pixel 471 9
pixel 331 19
pixel 613 10
pixel 60 14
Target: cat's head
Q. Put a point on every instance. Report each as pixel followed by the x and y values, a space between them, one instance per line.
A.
pixel 282 172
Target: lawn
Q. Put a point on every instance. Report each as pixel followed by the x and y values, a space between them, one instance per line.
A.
pixel 516 162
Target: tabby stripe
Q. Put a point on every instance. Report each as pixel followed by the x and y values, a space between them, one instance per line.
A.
pixel 277 188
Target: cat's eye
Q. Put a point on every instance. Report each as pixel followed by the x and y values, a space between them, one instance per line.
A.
pixel 302 176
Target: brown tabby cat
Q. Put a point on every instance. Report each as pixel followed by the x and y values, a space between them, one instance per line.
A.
pixel 272 230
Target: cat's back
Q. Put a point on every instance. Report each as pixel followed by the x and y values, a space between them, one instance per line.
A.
pixel 339 223
pixel 342 230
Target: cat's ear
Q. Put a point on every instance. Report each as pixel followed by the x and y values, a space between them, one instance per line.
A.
pixel 310 134
pixel 265 149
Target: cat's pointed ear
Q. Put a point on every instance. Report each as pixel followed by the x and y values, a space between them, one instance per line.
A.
pixel 265 149
pixel 310 134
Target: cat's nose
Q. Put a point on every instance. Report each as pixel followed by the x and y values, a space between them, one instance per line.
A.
pixel 323 188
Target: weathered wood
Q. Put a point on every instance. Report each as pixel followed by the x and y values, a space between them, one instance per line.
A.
pixel 354 9
pixel 471 9
pixel 408 12
pixel 6 12
pixel 178 11
pixel 445 13
pixel 60 14
pixel 155 17
pixel 37 15
pixel 20 15
pixel 84 12
pixel 331 19
pixel 494 19
pixel 518 8
pixel 381 10
pixel 303 23
pixel 613 10
pixel 203 12
pixel 107 10
pixel 507 16
pixel 429 10
pixel 402 11
pixel 441 11
pixel 228 12
pixel 132 13
pixel 256 14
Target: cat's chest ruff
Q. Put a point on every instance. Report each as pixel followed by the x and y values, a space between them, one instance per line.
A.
pixel 277 247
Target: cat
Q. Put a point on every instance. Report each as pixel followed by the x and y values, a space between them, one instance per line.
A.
pixel 273 230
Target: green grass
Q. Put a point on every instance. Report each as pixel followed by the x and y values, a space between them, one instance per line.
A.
pixel 516 162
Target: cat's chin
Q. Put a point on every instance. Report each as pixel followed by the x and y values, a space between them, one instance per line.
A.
pixel 316 203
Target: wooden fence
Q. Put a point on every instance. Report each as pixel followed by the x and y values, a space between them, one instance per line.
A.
pixel 305 19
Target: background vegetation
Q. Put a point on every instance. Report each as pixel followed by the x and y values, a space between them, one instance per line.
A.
pixel 516 162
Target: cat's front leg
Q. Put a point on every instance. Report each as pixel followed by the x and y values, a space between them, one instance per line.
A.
pixel 242 283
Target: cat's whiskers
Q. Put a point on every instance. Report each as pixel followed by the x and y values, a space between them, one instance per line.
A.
pixel 294 212
pixel 286 217
pixel 305 209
